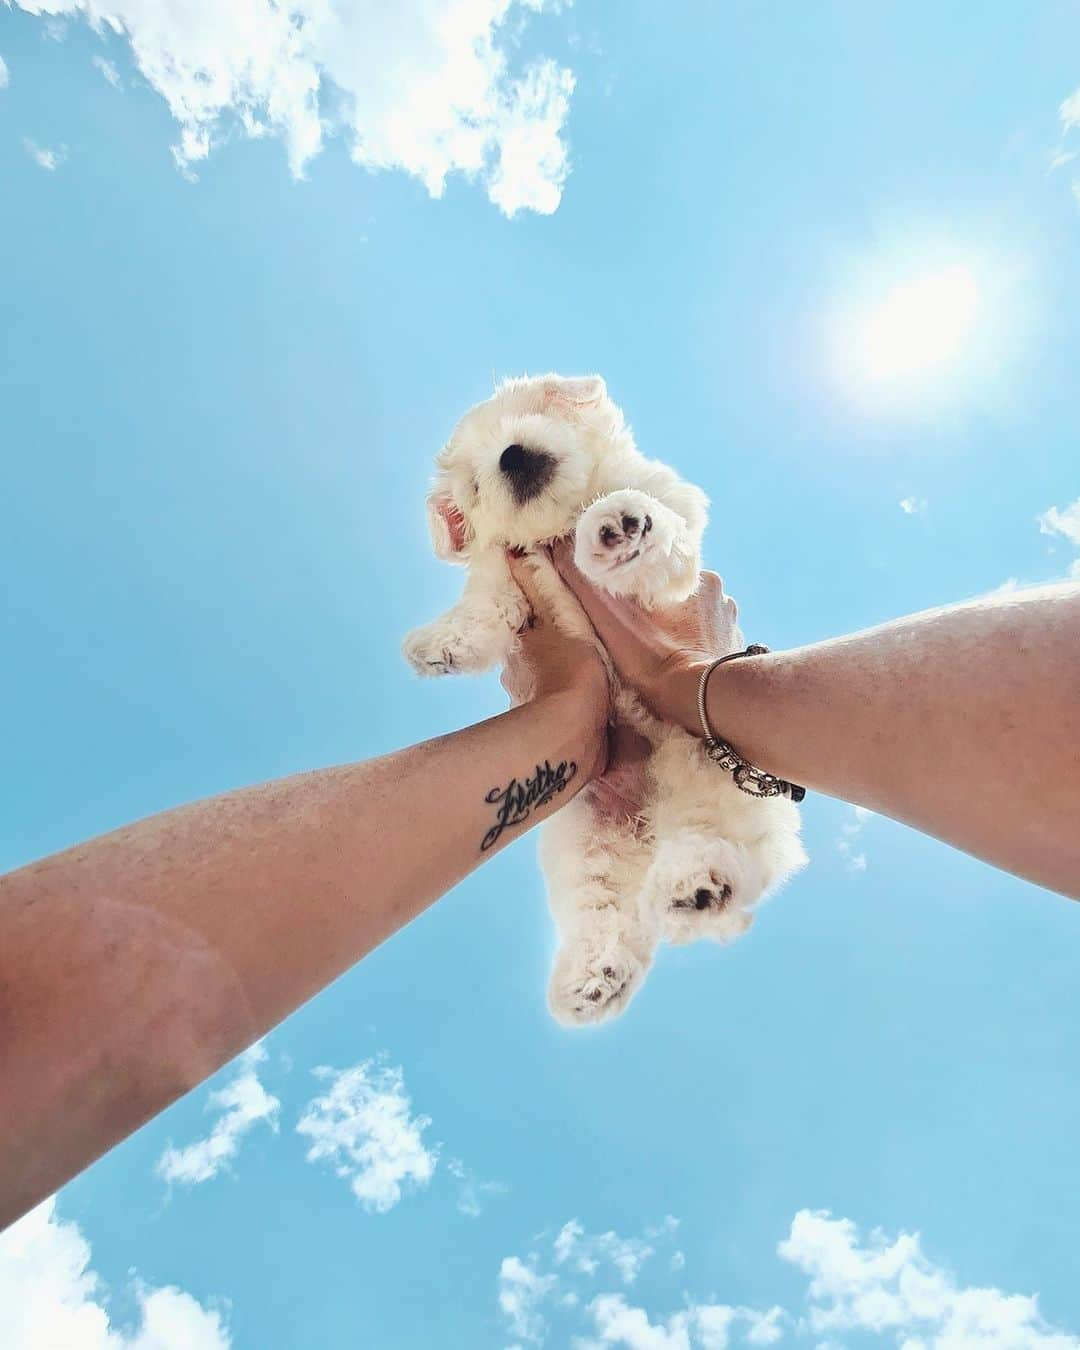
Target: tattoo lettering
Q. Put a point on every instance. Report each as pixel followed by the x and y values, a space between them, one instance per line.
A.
pixel 516 802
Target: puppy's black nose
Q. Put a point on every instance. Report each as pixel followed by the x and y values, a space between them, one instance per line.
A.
pixel 702 898
pixel 529 471
pixel 513 459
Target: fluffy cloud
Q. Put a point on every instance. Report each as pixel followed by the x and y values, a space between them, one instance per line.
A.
pixel 472 1190
pixel 701 1326
pixel 521 1292
pixel 913 506
pixel 556 1285
pixel 42 156
pixel 586 1252
pixel 242 1104
pixel 1070 121
pixel 846 846
pixel 363 1127
pixel 885 1291
pixel 1070 112
pixel 107 69
pixel 51 1298
pixel 617 1323
pixel 892 1289
pixel 5 78
pixel 424 86
pixel 1064 523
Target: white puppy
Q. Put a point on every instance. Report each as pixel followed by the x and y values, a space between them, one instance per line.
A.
pixel 544 458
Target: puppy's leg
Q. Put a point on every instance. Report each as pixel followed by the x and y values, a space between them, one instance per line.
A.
pixel 719 850
pixel 593 866
pixel 478 632
pixel 630 543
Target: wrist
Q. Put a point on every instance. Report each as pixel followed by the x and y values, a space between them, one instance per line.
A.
pixel 672 691
pixel 581 713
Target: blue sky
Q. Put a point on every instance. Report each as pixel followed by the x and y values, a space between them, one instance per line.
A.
pixel 828 259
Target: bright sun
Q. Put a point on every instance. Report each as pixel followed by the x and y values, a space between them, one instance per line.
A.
pixel 921 325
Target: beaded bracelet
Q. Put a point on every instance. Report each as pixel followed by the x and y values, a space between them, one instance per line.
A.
pixel 750 780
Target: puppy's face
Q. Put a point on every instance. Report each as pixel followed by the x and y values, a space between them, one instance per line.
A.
pixel 519 468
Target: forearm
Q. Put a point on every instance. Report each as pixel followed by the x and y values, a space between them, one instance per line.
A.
pixel 133 966
pixel 963 722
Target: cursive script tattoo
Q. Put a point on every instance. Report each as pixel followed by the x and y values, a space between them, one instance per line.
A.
pixel 516 802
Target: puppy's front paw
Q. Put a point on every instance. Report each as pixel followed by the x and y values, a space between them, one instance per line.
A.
pixel 631 544
pixel 442 648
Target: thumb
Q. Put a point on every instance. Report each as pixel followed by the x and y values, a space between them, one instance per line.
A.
pixel 534 576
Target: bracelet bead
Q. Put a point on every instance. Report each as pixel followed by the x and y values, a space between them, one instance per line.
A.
pixel 754 782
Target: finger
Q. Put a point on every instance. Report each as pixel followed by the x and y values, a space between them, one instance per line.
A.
pixel 712 583
pixel 524 568
pixel 521 571
pixel 712 589
pixel 591 600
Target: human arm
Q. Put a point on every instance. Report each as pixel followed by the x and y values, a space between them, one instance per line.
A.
pixel 963 722
pixel 134 965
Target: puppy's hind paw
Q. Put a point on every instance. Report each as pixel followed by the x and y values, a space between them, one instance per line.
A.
pixel 593 987
pixel 697 888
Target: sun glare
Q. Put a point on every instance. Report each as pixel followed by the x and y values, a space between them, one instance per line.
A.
pixel 920 326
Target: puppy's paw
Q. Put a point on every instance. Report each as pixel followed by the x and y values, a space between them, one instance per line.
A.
pixel 591 985
pixel 631 544
pixel 464 647
pixel 699 887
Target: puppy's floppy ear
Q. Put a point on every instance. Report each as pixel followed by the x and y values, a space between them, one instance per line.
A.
pixel 446 523
pixel 573 392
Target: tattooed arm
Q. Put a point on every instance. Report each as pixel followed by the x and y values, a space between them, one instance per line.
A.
pixel 133 966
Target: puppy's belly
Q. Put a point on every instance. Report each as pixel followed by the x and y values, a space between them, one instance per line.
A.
pixel 623 791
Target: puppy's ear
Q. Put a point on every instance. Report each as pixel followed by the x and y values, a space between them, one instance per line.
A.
pixel 575 392
pixel 447 525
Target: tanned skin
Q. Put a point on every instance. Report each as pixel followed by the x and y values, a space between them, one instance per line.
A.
pixel 133 966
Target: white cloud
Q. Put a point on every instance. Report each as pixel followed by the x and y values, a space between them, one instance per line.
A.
pixel 892 1289
pixel 913 506
pixel 472 1190
pixel 424 86
pixel 42 156
pixel 617 1323
pixel 699 1326
pixel 5 76
pixel 107 69
pixel 1065 522
pixel 587 1252
pixel 242 1103
pixel 765 1328
pixel 363 1128
pixel 521 1291
pixel 1070 112
pixel 885 1291
pixel 51 1299
pixel 854 860
pixel 540 1289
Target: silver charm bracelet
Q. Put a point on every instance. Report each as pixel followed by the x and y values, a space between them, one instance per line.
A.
pixel 753 781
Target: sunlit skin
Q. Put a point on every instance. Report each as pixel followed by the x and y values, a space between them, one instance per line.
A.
pixel 135 965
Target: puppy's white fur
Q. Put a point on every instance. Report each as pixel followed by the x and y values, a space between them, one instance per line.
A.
pixel 617 884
